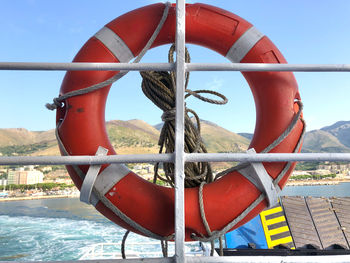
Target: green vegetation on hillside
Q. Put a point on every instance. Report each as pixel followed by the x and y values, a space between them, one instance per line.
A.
pixel 127 137
pixel 53 168
pixel 41 186
pixel 307 166
pixel 313 177
pixel 136 136
pixel 23 149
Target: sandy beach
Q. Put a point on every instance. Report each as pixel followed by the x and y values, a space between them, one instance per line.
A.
pixel 36 197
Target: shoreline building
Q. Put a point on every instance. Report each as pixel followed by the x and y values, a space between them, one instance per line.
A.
pixel 3 182
pixel 25 176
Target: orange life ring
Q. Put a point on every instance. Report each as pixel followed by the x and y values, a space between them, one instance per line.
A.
pixel 82 123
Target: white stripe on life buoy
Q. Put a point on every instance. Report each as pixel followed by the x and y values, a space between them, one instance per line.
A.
pixel 245 43
pixel 109 177
pixel 115 44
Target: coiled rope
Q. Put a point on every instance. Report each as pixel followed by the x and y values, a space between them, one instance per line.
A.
pixel 160 88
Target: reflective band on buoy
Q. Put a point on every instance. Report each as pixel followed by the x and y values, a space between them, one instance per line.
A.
pixel 242 46
pixel 146 208
pixel 115 44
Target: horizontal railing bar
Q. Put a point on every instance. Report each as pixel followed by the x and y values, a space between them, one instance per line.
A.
pixel 88 66
pixel 85 160
pixel 266 157
pixel 169 157
pixel 267 67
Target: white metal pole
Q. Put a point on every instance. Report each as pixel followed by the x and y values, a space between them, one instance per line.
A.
pixel 179 136
pixel 82 66
pixel 169 157
pixel 97 66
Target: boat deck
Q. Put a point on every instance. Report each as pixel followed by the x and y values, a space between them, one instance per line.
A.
pixel 297 223
pixel 320 222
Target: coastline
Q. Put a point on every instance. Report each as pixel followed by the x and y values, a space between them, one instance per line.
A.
pixel 20 198
pixel 317 182
pixel 76 195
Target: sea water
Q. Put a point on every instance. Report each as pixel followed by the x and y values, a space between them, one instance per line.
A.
pixel 337 190
pixel 54 229
pixel 64 229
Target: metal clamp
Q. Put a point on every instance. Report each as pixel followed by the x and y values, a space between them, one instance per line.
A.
pixel 90 177
pixel 257 175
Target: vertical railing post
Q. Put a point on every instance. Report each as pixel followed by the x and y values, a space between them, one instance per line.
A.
pixel 179 137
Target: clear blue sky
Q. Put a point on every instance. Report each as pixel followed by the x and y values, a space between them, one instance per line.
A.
pixel 312 31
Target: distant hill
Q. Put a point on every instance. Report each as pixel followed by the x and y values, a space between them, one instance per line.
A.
pixel 23 142
pixel 137 136
pixel 218 139
pixel 133 136
pixel 334 138
pixel 21 136
pixel 322 141
pixel 249 136
pixel 341 130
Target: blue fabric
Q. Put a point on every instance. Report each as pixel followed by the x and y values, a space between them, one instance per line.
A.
pixel 251 232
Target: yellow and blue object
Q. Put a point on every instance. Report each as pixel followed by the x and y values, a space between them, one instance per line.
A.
pixel 267 230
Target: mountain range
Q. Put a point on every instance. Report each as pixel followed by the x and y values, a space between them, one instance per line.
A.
pixel 333 138
pixel 137 136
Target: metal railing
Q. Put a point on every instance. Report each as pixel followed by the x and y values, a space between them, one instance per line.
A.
pixel 149 249
pixel 84 66
pixel 179 157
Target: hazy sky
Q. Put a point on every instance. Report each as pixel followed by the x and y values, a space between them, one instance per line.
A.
pixel 312 31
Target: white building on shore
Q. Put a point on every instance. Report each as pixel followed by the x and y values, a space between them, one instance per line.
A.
pixel 25 176
pixel 3 182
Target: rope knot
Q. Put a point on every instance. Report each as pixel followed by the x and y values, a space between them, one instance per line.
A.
pixel 160 88
pixel 57 103
pixel 169 115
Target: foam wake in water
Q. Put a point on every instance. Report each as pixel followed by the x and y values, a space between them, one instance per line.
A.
pixel 44 238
